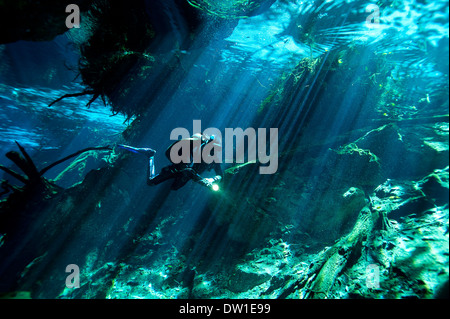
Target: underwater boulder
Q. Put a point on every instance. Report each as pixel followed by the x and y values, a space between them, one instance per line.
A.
pixel 353 200
pixel 241 281
pixel 436 186
pixel 333 213
pixel 442 292
pixel 398 199
pixel 243 206
pixel 421 259
pixel 355 166
pixel 401 150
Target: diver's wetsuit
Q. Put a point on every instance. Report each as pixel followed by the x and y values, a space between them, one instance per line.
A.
pixel 181 172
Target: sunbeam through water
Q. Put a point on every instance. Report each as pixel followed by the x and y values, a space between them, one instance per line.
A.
pixel 326 123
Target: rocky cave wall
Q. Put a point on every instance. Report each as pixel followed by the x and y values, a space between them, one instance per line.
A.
pixel 271 236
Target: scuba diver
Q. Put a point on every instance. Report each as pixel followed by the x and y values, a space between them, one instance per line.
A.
pixel 186 170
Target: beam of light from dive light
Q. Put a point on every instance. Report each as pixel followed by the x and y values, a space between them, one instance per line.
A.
pixel 215 187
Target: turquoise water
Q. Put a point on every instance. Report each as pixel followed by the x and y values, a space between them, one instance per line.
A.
pixel 358 205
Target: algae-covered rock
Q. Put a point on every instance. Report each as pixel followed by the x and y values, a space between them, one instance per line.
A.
pixel 399 148
pixel 436 186
pixel 16 295
pixel 241 281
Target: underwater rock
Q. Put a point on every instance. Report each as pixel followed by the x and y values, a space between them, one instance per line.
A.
pixel 318 280
pixel 331 213
pixel 241 281
pixel 316 197
pixel 95 285
pixel 421 255
pixel 405 142
pixel 436 186
pixel 223 208
pixel 16 295
pixel 126 48
pixel 81 166
pixel 346 210
pixel 442 292
pixel 327 212
pixel 398 198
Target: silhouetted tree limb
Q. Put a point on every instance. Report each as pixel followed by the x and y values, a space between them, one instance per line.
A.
pixel 25 163
pixel 14 174
pixel 88 92
pixel 96 95
pixel 32 170
pixel 44 170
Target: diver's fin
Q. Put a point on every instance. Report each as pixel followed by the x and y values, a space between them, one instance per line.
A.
pixel 144 151
pixel 152 170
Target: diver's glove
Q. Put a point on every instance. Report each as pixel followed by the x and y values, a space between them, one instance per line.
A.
pixel 207 182
pixel 218 178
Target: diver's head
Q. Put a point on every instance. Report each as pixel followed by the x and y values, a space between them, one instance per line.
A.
pixel 208 138
pixel 204 138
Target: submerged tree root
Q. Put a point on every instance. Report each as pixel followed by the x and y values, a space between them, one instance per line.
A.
pixel 32 176
pixel 87 92
pixel 322 273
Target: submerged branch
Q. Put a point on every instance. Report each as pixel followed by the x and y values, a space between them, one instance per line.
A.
pixel 96 95
pixel 419 120
pixel 44 170
pixel 32 170
pixel 25 163
pixel 89 92
pixel 318 280
pixel 14 174
pixel 339 255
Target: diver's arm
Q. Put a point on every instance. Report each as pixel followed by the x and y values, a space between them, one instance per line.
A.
pixel 151 171
pixel 192 174
pixel 196 177
pixel 208 182
pixel 219 172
